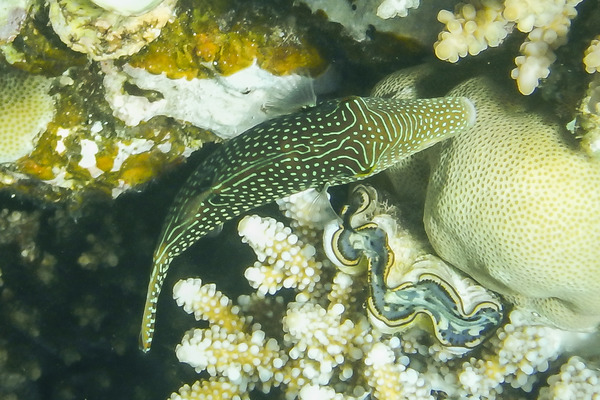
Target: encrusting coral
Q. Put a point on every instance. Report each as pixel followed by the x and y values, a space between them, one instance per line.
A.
pixel 225 105
pixel 133 7
pixel 80 147
pixel 403 18
pixel 321 345
pixel 221 74
pixel 531 233
pixel 514 204
pixel 12 16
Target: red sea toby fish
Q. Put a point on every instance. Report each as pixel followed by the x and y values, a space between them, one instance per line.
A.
pixel 333 143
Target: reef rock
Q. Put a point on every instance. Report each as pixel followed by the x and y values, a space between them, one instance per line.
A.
pixel 105 35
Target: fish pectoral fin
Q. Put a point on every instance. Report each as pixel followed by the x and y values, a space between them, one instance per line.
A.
pixel 366 173
pixel 215 231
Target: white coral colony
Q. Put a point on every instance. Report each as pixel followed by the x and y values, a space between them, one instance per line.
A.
pixel 320 344
pixel 127 7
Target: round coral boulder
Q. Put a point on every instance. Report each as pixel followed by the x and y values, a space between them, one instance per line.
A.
pixel 514 203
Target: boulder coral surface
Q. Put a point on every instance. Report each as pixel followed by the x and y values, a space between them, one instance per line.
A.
pixel 514 203
pixel 26 107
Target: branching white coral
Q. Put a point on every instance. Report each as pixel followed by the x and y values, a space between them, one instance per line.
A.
pixel 243 358
pixel 591 59
pixel 213 388
pixel 208 304
pixel 283 259
pixel 309 211
pixel 471 29
pixel 391 378
pixel 481 23
pixel 548 23
pixel 396 8
pixel 229 347
pixel 322 345
pixel 326 337
pixel 317 348
pixel 513 356
pixel 576 380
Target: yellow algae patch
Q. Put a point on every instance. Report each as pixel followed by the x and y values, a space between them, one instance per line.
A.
pixel 139 168
pixel 26 108
pixel 282 60
pixel 204 39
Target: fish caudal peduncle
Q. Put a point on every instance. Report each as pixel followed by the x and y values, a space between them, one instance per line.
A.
pixel 336 142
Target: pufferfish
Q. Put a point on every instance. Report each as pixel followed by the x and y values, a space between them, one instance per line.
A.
pixel 336 142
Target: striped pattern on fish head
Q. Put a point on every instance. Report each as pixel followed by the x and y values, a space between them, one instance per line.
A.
pixel 386 131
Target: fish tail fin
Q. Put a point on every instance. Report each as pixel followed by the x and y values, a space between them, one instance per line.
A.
pixel 179 221
pixel 159 272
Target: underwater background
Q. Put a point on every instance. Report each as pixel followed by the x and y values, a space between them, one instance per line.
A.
pixel 84 192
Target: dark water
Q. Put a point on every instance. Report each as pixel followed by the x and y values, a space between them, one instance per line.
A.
pixel 74 279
